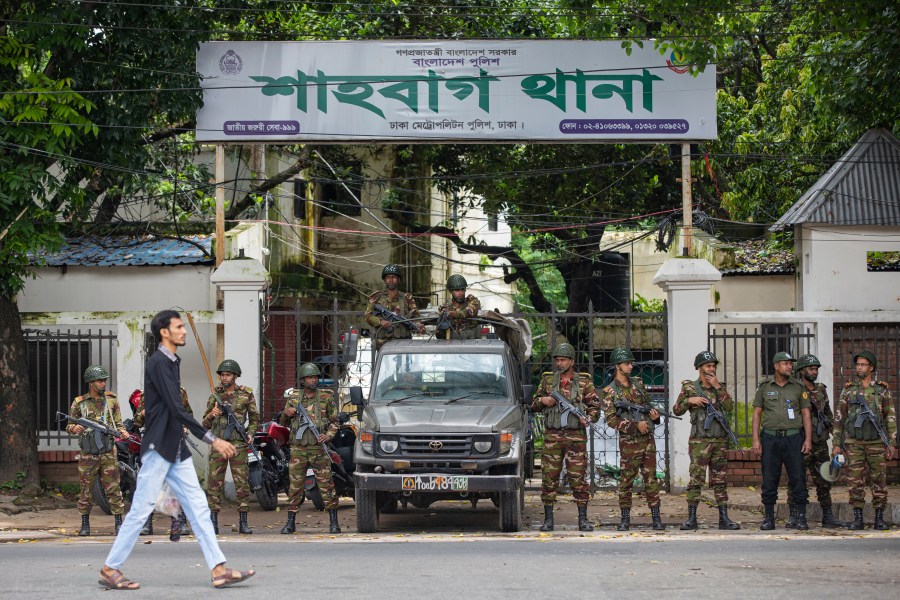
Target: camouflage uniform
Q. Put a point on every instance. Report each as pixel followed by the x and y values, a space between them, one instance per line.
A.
pixel 863 447
pixel 707 447
pixel 106 411
pixel 140 416
pixel 461 313
pixel 243 404
pixel 402 304
pixel 306 452
pixel 818 401
pixel 565 440
pixel 637 451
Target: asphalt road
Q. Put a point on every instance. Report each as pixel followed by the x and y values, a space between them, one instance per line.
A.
pixel 641 565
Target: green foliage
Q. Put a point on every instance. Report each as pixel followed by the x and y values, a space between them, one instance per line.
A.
pixel 641 304
pixel 14 484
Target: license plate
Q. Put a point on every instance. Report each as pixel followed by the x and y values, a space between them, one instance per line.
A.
pixel 436 483
pixel 252 458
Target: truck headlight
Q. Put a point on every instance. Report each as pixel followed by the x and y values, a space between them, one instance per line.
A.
pixel 483 444
pixel 388 444
pixel 506 438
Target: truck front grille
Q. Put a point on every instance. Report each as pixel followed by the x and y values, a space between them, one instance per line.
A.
pixel 443 446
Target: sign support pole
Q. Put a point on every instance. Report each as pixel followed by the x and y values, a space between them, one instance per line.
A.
pixel 687 213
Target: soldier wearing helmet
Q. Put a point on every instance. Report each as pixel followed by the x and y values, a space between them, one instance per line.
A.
pixel 306 448
pixel 400 303
pixel 242 403
pixel 637 446
pixel 565 439
pixel 858 438
pixel 807 369
pixel 102 406
pixel 708 442
pixel 461 309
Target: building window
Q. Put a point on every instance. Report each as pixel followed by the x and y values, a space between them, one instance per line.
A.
pixel 300 199
pixel 492 222
pixel 335 198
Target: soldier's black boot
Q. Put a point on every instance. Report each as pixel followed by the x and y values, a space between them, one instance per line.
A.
pixel 657 520
pixel 691 522
pixel 148 526
pixel 768 523
pixel 791 523
pixel 829 520
pixel 583 523
pixel 175 529
pixel 724 521
pixel 183 524
pixel 117 519
pixel 85 525
pixel 333 526
pixel 290 526
pixel 857 523
pixel 802 525
pixel 214 518
pixel 243 527
pixel 625 521
pixel 879 523
pixel 548 518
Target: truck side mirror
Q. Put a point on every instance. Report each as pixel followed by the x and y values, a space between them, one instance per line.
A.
pixel 527 393
pixel 356 396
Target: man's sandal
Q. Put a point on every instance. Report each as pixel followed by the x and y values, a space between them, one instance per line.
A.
pixel 116 580
pixel 230 577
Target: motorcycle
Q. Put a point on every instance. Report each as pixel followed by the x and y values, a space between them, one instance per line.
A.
pixel 269 465
pixel 128 456
pixel 342 466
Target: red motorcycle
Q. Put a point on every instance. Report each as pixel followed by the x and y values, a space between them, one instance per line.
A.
pixel 269 465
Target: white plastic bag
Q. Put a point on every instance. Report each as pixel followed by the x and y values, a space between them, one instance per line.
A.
pixel 167 502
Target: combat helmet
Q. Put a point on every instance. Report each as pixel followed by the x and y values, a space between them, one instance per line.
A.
pixel 95 372
pixel 808 360
pixel 704 357
pixel 308 370
pixel 565 349
pixel 868 355
pixel 620 355
pixel 391 269
pixel 456 282
pixel 229 366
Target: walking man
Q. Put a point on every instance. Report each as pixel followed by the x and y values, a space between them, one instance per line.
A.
pixel 782 433
pixel 166 459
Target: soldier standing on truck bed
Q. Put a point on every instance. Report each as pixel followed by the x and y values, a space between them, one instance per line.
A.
pixel 399 303
pixel 565 440
pixel 462 309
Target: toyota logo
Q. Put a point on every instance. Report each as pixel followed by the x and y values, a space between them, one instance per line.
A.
pixel 435 445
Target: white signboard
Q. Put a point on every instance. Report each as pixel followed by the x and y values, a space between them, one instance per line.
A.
pixel 476 91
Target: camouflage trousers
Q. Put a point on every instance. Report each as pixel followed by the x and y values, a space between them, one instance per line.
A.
pixel 708 453
pixel 816 457
pixel 637 454
pixel 866 463
pixel 311 457
pixel 215 484
pixel 107 466
pixel 569 445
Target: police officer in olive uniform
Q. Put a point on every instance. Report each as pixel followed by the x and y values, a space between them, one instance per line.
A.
pixel 861 444
pixel 707 446
pixel 822 424
pixel 241 401
pixel 98 453
pixel 637 446
pixel 782 433
pixel 565 440
pixel 399 303
pixel 461 309
pixel 306 449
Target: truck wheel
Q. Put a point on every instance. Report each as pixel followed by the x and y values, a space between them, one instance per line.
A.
pixel 366 511
pixel 509 511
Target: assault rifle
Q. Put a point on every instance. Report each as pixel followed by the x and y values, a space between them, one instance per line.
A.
pixel 714 414
pixel 570 409
pixel 308 424
pixel 866 413
pixel 823 423
pixel 388 315
pixel 641 409
pixel 99 428
pixel 234 425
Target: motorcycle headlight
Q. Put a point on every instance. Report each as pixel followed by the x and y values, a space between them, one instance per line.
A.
pixel 483 444
pixel 388 444
pixel 506 438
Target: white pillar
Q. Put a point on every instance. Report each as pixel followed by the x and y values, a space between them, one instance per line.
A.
pixel 130 360
pixel 687 282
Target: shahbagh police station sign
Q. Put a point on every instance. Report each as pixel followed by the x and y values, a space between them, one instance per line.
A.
pixel 478 91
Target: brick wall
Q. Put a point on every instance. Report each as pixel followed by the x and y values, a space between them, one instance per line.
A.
pixel 58 465
pixel 745 469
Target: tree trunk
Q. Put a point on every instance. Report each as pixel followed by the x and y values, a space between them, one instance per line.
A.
pixel 18 440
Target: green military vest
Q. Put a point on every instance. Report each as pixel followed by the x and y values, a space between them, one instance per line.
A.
pixel 865 432
pixel 698 417
pixel 553 414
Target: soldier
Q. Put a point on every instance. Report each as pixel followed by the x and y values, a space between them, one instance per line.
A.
pixel 565 440
pixel 859 440
pixel 306 449
pixel 708 446
pixel 822 423
pixel 102 406
pixel 782 433
pixel 241 401
pixel 637 446
pixel 461 309
pixel 399 303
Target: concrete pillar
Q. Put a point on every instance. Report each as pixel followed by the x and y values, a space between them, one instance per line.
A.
pixel 686 282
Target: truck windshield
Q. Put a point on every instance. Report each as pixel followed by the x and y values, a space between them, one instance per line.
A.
pixel 441 376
